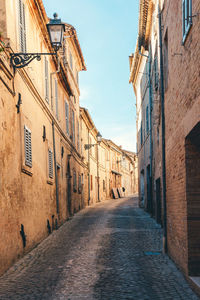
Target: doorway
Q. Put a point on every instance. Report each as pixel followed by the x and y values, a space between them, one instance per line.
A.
pixel 69 189
pixel 158 202
pixel 192 160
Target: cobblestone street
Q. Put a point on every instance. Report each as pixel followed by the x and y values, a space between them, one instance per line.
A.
pixel 109 251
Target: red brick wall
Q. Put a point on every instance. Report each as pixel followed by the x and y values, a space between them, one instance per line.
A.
pixel 182 113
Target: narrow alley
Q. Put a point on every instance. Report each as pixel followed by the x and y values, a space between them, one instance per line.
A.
pixel 112 250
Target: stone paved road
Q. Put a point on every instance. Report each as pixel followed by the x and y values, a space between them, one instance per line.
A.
pixel 109 251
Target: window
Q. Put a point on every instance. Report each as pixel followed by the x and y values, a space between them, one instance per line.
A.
pixel 166 60
pixel 56 97
pixel 78 142
pixel 67 116
pixel 155 71
pixel 187 17
pixel 71 60
pixel 46 80
pixel 74 182
pixel 91 183
pixel 147 119
pixel 141 135
pixel 50 159
pixel 79 184
pixel 104 185
pixel 22 26
pixel 73 127
pixel 27 147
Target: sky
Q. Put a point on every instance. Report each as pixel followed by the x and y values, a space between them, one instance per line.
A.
pixel 107 32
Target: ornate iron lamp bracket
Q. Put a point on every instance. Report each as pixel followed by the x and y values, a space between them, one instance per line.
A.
pixel 20 60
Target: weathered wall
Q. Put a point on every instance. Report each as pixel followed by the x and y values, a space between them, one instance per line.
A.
pixel 182 112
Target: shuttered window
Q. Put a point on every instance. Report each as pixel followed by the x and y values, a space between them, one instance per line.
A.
pixel 27 147
pixel 50 159
pixel 67 116
pixel 22 26
pixel 56 97
pixel 73 127
pixel 46 80
pixel 74 182
pixel 79 184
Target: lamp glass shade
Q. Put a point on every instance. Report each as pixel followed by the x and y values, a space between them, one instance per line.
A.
pixel 56 34
pixel 99 137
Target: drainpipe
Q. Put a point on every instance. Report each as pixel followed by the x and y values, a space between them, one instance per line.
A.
pixel 89 165
pixel 55 168
pixel 151 141
pixel 162 92
pixel 53 133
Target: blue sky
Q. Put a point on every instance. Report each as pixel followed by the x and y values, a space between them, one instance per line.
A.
pixel 107 32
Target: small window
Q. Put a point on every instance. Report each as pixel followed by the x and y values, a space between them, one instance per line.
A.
pixel 22 26
pixel 27 147
pixel 74 182
pixel 77 80
pixel 187 17
pixel 46 80
pixel 91 183
pixel 50 159
pixel 67 116
pixel 79 184
pixel 104 185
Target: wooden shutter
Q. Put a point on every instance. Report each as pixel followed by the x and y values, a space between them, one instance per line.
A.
pixel 50 158
pixel 56 97
pixel 22 26
pixel 27 147
pixel 46 80
pixel 78 142
pixel 67 117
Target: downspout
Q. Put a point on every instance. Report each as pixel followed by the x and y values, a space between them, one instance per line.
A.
pixel 89 165
pixel 55 168
pixel 53 133
pixel 88 168
pixel 162 92
pixel 151 141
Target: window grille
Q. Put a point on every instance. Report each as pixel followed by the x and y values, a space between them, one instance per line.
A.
pixel 186 17
pixel 50 158
pixel 27 147
pixel 46 80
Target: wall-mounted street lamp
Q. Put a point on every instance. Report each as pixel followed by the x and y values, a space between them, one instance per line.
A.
pixel 55 29
pixel 99 139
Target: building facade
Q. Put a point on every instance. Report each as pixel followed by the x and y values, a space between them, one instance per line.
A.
pixel 40 156
pixel 47 171
pixel 167 52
